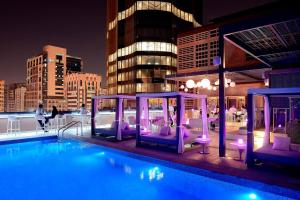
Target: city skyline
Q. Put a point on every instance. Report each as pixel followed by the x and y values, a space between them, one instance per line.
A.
pixel 50 26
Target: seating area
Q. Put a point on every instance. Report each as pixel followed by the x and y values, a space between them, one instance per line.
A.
pixel 279 147
pixel 121 125
pixel 18 125
pixel 173 127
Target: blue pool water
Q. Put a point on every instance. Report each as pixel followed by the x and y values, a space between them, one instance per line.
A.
pixel 77 170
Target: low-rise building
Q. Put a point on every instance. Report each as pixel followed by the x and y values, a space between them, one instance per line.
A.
pixel 15 97
pixel 2 86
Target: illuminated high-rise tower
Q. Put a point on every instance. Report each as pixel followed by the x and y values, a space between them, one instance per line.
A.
pixel 141 42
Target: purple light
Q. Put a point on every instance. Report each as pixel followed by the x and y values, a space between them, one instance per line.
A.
pixel 240 141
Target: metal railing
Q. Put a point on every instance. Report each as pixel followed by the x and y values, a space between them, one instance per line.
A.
pixel 68 126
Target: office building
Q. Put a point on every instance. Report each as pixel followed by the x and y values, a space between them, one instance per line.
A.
pixel 80 88
pixel 141 42
pixel 45 78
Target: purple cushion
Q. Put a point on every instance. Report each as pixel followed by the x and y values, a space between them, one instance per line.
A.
pixel 125 126
pixel 281 143
pixel 186 132
pixel 165 131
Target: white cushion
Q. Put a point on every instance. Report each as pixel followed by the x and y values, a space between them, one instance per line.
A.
pixel 165 131
pixel 113 124
pixel 281 143
pixel 195 123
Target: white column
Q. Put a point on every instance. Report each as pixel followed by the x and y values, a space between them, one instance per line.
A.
pixel 204 117
pixel 165 109
pixel 181 112
pixel 267 120
pixel 120 119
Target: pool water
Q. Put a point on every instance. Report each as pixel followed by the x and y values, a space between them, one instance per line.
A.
pixel 77 170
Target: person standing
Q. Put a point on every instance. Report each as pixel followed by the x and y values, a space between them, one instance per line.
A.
pixel 83 110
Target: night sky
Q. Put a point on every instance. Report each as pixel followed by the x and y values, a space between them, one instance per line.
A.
pixel 26 26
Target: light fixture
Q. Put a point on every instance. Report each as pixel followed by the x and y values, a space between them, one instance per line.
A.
pixel 217 82
pixel 252 196
pixel 232 84
pixel 214 88
pixel 266 82
pixel 228 80
pixel 217 61
pixel 205 83
pixel 186 90
pixel 199 84
pixel 190 84
pixel 240 141
pixel 182 87
pixel 209 87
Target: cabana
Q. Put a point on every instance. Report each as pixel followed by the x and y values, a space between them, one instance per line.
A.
pixel 279 148
pixel 173 129
pixel 115 125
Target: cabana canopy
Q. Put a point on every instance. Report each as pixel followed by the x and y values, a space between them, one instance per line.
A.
pixel 143 114
pixel 267 152
pixel 117 129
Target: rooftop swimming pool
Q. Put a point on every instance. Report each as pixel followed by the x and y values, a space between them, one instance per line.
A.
pixel 69 169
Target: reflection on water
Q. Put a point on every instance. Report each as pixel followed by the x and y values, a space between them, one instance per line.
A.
pixel 151 174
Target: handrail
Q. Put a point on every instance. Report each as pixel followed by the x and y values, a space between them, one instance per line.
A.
pixel 69 125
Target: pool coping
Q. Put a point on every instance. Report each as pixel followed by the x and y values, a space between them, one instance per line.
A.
pixel 28 139
pixel 256 185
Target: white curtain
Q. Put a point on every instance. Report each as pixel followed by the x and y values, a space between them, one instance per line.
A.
pixel 181 133
pixel 145 112
pixel 204 117
pixel 267 120
pixel 120 119
pixel 165 109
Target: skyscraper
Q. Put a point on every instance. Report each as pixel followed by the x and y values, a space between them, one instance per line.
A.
pixel 141 42
pixel 45 78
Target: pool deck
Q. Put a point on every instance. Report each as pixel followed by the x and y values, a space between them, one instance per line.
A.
pixel 283 177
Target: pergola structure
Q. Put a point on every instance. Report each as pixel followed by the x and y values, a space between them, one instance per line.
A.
pixel 116 130
pixel 267 152
pixel 274 40
pixel 271 35
pixel 176 140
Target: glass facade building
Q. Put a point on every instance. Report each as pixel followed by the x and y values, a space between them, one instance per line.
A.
pixel 142 42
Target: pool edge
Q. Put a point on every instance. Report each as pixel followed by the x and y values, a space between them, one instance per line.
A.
pixel 29 139
pixel 256 185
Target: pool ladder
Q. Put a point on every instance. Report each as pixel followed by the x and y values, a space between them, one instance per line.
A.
pixel 68 126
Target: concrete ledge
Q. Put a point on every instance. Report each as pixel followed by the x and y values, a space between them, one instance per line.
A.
pixel 28 139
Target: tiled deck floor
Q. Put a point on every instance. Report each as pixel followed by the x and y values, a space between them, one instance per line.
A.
pixel 276 176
